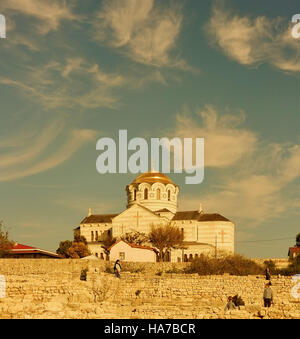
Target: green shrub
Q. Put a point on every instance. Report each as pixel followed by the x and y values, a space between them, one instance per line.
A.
pixel 233 264
pixel 175 270
pixel 270 264
pixel 108 269
pixel 292 269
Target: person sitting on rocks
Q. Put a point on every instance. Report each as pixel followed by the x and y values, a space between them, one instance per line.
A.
pixel 230 305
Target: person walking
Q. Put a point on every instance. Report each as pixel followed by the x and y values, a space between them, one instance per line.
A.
pixel 117 268
pixel 268 295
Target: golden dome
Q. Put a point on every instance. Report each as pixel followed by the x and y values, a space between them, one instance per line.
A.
pixel 153 177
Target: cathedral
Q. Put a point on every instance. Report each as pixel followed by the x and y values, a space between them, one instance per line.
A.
pixel 152 200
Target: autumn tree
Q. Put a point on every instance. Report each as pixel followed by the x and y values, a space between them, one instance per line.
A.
pixel 74 249
pixel 80 238
pixel 108 241
pixel 78 250
pixel 5 243
pixel 164 238
pixel 137 238
pixel 298 239
pixel 63 248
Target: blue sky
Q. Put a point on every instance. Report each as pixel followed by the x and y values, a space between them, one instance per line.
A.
pixel 72 72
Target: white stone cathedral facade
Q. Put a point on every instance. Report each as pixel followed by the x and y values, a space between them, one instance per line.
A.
pixel 152 200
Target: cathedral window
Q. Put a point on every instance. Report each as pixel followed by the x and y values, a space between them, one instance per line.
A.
pixel 146 194
pixel 134 194
pixel 92 236
pixel 158 194
pixel 96 235
pixel 169 195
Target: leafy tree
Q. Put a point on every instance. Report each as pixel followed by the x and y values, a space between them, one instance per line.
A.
pixel 78 250
pixel 5 243
pixel 73 249
pixel 298 239
pixel 164 238
pixel 80 238
pixel 108 241
pixel 135 238
pixel 64 247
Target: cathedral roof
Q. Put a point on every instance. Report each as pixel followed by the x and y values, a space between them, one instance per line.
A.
pixel 152 177
pixel 163 210
pixel 195 215
pixel 98 219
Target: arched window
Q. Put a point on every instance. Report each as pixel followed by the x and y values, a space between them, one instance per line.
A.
pixel 96 235
pixel 146 194
pixel 158 194
pixel 169 195
pixel 134 194
pixel 92 236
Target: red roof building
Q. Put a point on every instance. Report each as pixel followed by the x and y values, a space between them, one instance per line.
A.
pixel 294 251
pixel 24 251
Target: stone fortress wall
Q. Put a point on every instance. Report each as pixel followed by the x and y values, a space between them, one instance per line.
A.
pixel 48 288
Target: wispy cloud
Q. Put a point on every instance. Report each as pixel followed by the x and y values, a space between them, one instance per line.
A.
pixel 35 156
pixel 48 14
pixel 252 41
pixel 251 176
pixel 72 83
pixel 226 142
pixel 145 31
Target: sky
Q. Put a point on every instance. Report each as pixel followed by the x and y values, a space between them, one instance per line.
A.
pixel 72 72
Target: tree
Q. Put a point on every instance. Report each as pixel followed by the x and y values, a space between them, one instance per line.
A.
pixel 108 241
pixel 64 247
pixel 298 239
pixel 5 243
pixel 137 238
pixel 78 250
pixel 164 238
pixel 80 238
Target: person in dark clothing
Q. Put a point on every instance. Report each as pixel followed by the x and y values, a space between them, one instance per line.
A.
pixel 268 295
pixel 117 268
pixel 268 274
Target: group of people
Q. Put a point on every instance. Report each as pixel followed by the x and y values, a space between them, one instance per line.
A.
pixel 267 296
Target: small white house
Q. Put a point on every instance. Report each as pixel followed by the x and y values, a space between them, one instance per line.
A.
pixel 131 252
